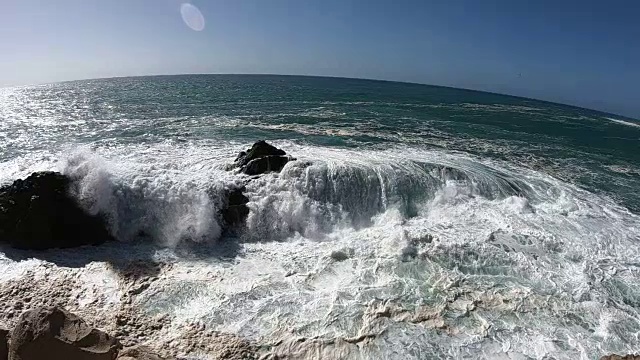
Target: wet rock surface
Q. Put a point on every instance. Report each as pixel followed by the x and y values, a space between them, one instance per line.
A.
pixel 262 158
pixel 259 149
pixel 39 213
pixel 265 164
pixel 236 210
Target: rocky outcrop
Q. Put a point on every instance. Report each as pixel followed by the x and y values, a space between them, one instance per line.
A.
pixel 262 158
pixel 195 338
pixel 259 149
pixel 47 333
pixel 266 164
pixel 139 353
pixel 39 213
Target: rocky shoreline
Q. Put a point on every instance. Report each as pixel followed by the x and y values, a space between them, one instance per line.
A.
pixel 40 311
pixel 55 333
pixel 41 212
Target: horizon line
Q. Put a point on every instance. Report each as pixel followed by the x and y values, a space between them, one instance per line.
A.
pixel 330 77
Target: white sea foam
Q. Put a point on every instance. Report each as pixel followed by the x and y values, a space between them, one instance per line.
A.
pixel 443 253
pixel 623 122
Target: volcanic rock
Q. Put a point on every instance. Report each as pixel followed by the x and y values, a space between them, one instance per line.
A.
pixel 262 158
pixel 39 213
pixel 236 209
pixel 266 164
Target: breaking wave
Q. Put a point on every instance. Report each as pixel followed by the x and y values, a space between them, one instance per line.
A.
pixel 427 247
pixel 622 122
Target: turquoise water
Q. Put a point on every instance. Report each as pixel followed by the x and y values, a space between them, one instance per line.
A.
pixel 474 225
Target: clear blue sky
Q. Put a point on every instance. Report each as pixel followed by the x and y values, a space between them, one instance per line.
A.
pixel 583 52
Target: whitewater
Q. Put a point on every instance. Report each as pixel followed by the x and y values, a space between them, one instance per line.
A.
pixel 414 223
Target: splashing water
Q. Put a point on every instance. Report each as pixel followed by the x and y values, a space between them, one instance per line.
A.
pixel 410 226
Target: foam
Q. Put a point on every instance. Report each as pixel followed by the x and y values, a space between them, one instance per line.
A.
pixel 622 122
pixel 446 253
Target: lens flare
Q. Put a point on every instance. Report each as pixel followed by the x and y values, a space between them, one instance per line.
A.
pixel 192 17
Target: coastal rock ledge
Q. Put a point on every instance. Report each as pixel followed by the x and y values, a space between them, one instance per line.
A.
pixel 41 212
pixel 52 333
pixel 47 333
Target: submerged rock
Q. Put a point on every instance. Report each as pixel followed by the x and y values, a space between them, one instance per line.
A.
pixel 262 158
pixel 48 333
pixel 39 213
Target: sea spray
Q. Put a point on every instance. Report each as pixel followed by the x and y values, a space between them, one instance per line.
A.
pixel 416 221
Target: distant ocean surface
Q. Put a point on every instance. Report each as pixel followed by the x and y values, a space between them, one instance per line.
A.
pixel 473 224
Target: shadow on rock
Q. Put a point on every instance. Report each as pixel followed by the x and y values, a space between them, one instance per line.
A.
pixel 120 256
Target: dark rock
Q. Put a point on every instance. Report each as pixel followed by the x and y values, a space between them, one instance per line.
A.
pixel 339 255
pixel 139 353
pixel 4 350
pixel 237 197
pixel 262 158
pixel 421 240
pixel 266 164
pixel 259 159
pixel 240 157
pixel 53 333
pixel 39 213
pixel 235 215
pixel 409 253
pixel 258 150
pixel 236 210
pixel 620 357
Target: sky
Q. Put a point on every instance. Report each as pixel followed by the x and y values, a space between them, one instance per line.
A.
pixel 579 52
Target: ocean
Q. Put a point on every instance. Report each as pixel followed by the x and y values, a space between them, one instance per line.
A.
pixel 417 222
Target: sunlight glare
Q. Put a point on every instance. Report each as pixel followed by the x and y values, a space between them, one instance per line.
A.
pixel 192 16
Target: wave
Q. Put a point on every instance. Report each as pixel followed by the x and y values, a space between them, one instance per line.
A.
pixel 622 122
pixel 341 189
pixel 484 248
pixel 163 198
pixel 426 248
pixel 156 193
